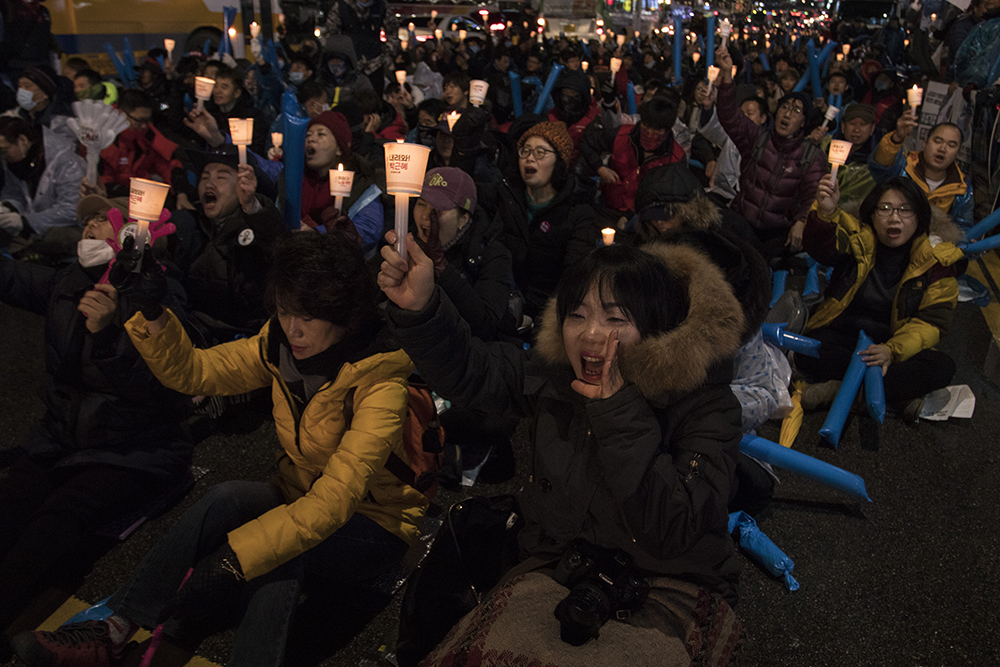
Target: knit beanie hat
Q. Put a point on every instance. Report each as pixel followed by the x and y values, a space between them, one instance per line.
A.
pixel 44 77
pixel 553 132
pixel 337 124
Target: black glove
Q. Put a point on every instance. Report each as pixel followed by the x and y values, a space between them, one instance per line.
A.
pixel 468 130
pixel 147 288
pixel 213 587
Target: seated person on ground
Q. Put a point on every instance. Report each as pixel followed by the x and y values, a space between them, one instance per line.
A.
pixel 857 125
pixel 890 281
pixel 620 356
pixel 110 440
pixel 334 510
pixel 42 174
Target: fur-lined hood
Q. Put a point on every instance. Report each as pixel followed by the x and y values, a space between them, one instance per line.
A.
pixel 674 363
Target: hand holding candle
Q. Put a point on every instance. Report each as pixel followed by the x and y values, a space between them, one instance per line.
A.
pixel 914 96
pixel 341 183
pixel 203 88
pixel 241 130
pixel 713 74
pixel 839 150
pixel 405 165
pixel 831 113
pixel 726 28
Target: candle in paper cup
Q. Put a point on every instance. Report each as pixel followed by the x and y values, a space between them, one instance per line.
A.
pixel 906 42
pixel 616 64
pixel 438 34
pixel 696 56
pixel 203 90
pixel 840 57
pixel 839 150
pixel 608 233
pixel 169 45
pixel 846 49
pixel 341 183
pixel 404 44
pixel 726 28
pixel 145 203
pixel 405 165
pixel 411 27
pixel 713 73
pixel 276 139
pixel 637 34
pixel 401 76
pixel 734 71
pixel 241 130
pixel 620 39
pixel 462 34
pixel 604 38
pixel 584 65
pixel 914 96
pixel 452 118
pixel 255 30
pixel 477 91
pixel 434 13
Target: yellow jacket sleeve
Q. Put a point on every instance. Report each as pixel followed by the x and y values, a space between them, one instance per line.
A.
pixel 923 331
pixel 289 530
pixel 885 152
pixel 224 370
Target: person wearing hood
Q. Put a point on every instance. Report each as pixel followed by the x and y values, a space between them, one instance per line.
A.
pixel 779 167
pixel 110 442
pixel 635 435
pixel 574 106
pixel 362 22
pixel 546 211
pixel 140 151
pixel 890 281
pixel 342 81
pixel 632 150
pixel 328 146
pixel 883 93
pixel 27 37
pixel 42 175
pixel 88 85
pixel 225 245
pixel 934 168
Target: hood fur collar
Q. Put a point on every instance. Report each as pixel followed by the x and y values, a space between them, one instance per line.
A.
pixel 674 363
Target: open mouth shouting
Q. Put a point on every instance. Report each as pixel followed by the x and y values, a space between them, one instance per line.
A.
pixel 591 368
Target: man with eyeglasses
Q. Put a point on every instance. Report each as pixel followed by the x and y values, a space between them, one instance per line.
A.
pixel 933 167
pixel 140 151
pixel 780 169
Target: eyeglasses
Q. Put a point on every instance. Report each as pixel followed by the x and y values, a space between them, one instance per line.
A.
pixel 139 121
pixel 886 210
pixel 792 107
pixel 537 151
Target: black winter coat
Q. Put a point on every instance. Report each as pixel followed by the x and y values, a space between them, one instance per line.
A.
pixel 559 235
pixel 650 469
pixel 102 404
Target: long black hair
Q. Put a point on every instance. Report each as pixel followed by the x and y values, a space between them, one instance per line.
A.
pixel 635 281
pixel 914 196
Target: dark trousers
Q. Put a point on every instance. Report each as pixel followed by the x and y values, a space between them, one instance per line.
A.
pixel 48 513
pixel 358 552
pixel 919 375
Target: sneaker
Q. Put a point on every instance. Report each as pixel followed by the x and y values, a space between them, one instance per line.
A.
pixel 86 644
pixel 820 395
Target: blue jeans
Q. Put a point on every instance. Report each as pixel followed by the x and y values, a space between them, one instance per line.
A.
pixel 359 551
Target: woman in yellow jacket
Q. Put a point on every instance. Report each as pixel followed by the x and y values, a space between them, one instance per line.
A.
pixel 340 392
pixel 893 277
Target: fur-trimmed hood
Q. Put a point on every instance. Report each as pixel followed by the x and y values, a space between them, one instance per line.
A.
pixel 674 363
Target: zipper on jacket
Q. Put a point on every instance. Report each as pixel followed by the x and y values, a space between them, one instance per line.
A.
pixel 296 417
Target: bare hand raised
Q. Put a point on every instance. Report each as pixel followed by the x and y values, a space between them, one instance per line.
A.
pixel 408 283
pixel 611 377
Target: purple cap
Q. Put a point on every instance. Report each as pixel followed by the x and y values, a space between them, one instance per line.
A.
pixel 446 188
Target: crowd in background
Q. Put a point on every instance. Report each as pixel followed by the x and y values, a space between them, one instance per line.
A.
pixel 647 360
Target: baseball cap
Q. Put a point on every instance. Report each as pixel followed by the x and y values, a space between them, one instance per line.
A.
pixel 864 111
pixel 93 204
pixel 446 188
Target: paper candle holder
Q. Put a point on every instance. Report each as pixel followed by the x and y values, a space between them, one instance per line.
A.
pixel 608 235
pixel 839 150
pixel 146 198
pixel 616 64
pixel 452 118
pixel 713 73
pixel 831 113
pixel 401 76
pixel 405 165
pixel 584 64
pixel 477 91
pixel 277 138
pixel 914 96
pixel 241 130
pixel 169 45
pixel 203 87
pixel 696 56
pixel 462 34
pixel 341 182
pixel 620 39
pixel 846 48
pixel 255 30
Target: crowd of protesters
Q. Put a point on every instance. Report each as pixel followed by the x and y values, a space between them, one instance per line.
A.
pixel 638 363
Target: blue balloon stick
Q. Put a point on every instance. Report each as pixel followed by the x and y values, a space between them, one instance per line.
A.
pixel 779 286
pixel 805 465
pixel 515 92
pixel 835 419
pixel 630 89
pixel 547 90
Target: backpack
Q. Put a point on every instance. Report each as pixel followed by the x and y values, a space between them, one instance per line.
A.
pixel 423 440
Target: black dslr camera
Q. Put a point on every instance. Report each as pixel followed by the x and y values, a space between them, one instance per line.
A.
pixel 602 582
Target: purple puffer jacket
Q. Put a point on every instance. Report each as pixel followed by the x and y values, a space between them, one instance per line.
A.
pixel 775 191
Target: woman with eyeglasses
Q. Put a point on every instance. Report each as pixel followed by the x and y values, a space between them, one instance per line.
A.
pixel 547 215
pixel 889 280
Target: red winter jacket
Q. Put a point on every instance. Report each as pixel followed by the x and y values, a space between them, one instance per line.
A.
pixel 142 155
pixel 394 130
pixel 775 189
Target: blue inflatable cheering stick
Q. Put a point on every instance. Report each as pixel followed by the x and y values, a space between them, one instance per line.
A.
pixel 763 550
pixel 805 465
pixel 834 423
pixel 776 335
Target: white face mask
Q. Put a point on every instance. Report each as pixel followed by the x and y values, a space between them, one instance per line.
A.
pixel 94 252
pixel 26 99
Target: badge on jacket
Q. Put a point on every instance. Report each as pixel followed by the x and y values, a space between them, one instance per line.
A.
pixel 544 225
pixel 245 238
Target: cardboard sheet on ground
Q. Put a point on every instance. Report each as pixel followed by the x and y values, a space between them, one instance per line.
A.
pixel 954 401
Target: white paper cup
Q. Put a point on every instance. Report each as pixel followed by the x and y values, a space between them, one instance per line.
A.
pixel 621 40
pixel 713 73
pixel 839 150
pixel 341 182
pixel 401 76
pixel 477 91
pixel 831 113
pixel 616 64
pixel 915 96
pixel 277 138
pixel 405 165
pixel 146 198
pixel 255 29
pixel 169 45
pixel 203 87
pixel 696 56
pixel 241 130
pixel 608 234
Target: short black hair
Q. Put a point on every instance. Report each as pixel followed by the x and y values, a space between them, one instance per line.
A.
pixel 12 127
pixel 913 194
pixel 323 276
pixel 312 90
pixel 92 76
pixel 226 72
pixel 459 78
pixel 761 105
pixel 649 294
pixel 659 113
pixel 77 63
pixel 131 100
pixel 433 106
